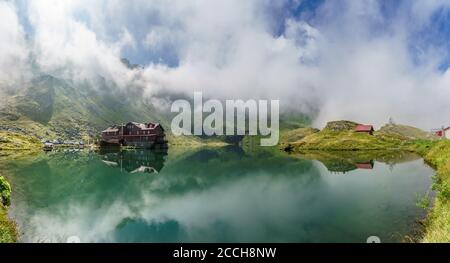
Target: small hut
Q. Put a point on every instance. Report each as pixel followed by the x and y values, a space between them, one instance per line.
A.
pixel 364 128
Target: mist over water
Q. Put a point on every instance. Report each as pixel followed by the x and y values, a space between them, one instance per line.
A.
pixel 212 195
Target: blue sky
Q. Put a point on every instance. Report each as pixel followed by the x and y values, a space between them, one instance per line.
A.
pixel 431 34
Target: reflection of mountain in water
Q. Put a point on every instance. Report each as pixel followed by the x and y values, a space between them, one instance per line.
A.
pixel 345 161
pixel 208 195
pixel 135 161
pixel 345 165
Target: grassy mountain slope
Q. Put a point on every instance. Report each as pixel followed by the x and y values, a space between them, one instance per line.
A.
pixel 408 132
pixel 16 141
pixel 50 107
pixel 340 135
pixel 296 135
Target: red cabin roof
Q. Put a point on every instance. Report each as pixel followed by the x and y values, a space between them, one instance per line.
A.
pixel 364 128
pixel 364 165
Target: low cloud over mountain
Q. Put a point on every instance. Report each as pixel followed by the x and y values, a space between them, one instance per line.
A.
pixel 360 60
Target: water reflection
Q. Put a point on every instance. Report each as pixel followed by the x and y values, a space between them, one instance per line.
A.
pixel 346 161
pixel 134 161
pixel 213 195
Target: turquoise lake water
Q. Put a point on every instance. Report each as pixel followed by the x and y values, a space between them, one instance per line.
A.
pixel 216 195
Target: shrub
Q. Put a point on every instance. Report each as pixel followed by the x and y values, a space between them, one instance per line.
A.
pixel 5 192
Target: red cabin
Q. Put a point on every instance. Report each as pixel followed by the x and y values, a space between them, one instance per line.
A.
pixel 364 128
pixel 444 133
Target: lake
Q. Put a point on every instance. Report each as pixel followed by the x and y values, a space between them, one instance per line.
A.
pixel 217 195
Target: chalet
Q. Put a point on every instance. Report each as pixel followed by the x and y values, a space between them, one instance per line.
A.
pixel 443 133
pixel 141 135
pixel 364 128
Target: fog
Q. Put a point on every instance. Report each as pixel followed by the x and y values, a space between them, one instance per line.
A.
pixel 359 60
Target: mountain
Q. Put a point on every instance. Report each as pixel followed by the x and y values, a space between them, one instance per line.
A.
pixel 407 132
pixel 53 107
pixel 49 107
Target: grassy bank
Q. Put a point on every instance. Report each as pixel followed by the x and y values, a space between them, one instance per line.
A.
pixel 8 233
pixel 11 145
pixel 10 141
pixel 437 154
pixel 340 137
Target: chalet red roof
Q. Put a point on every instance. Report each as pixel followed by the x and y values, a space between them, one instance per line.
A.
pixel 364 128
pixel 364 165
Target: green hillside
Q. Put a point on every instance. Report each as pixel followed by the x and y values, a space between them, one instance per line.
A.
pixel 10 141
pixel 408 132
pixel 340 135
pixel 55 108
pixel 296 135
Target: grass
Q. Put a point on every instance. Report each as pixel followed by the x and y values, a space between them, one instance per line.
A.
pixel 347 140
pixel 10 141
pixel 192 141
pixel 8 232
pixel 437 227
pixel 5 192
pixel 405 131
pixel 340 136
pixel 295 135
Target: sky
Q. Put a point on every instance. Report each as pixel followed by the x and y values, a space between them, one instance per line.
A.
pixel 339 59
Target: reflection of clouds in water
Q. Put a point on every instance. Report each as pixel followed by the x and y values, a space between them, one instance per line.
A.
pixel 56 224
pixel 238 205
pixel 246 205
pixel 212 203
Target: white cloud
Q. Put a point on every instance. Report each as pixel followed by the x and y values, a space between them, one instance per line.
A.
pixel 422 10
pixel 349 62
pixel 13 48
pixel 66 47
